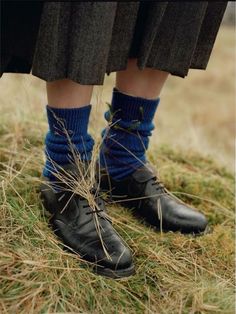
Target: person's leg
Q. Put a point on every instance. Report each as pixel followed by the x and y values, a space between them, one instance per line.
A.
pixel 125 172
pixel 134 103
pixel 68 113
pixel 147 83
pixel 77 211
pixel 68 94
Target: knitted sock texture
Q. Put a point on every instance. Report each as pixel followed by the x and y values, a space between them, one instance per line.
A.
pixel 126 138
pixel 67 137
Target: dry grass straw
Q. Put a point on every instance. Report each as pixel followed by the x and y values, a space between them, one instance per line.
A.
pixel 82 181
pixel 175 273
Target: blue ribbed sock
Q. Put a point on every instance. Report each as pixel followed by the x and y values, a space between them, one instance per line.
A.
pixel 68 131
pixel 126 139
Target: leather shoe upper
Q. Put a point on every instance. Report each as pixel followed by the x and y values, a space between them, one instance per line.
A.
pixel 150 200
pixel 85 230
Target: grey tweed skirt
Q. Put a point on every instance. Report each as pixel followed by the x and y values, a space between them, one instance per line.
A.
pixel 84 40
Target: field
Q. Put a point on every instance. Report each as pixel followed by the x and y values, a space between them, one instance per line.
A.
pixel 192 149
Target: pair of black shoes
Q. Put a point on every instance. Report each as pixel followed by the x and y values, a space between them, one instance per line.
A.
pixel 84 227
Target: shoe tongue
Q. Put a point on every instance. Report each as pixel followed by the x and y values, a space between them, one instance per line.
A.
pixel 69 173
pixel 144 174
pixel 75 170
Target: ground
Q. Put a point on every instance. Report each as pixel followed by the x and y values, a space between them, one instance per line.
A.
pixel 194 157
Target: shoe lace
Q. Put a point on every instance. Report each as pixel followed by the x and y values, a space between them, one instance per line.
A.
pixel 98 201
pixel 158 184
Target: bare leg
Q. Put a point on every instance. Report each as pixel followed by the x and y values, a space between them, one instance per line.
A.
pixel 68 94
pixel 145 83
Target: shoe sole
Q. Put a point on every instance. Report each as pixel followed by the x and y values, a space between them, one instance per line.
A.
pixel 115 274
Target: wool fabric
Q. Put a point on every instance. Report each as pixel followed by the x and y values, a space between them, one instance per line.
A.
pixel 126 138
pixel 67 138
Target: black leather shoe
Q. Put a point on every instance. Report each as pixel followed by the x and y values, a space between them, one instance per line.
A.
pixel 142 192
pixel 86 230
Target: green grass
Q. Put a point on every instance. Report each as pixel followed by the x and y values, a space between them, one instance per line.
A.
pixel 174 273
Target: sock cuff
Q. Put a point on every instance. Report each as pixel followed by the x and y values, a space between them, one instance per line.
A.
pixel 130 108
pixel 73 120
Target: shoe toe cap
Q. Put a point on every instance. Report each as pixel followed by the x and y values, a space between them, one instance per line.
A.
pixel 180 217
pixel 201 222
pixel 114 254
pixel 120 258
pixel 193 221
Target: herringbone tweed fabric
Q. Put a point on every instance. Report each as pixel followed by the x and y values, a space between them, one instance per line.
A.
pixel 84 40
